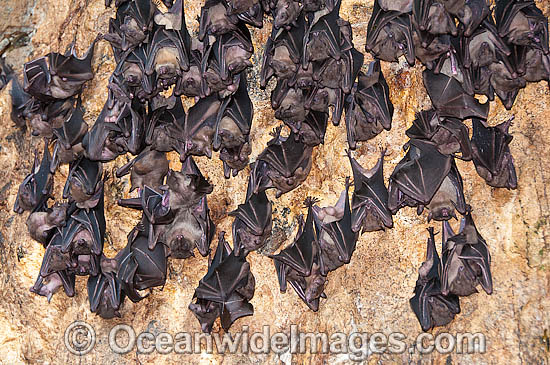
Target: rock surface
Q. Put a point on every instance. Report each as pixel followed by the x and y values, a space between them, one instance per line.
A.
pixel 369 295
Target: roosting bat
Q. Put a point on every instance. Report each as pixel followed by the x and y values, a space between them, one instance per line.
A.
pixel 369 202
pixel 214 19
pixel 299 263
pixel 133 22
pixel 450 135
pixel 389 35
pixel 289 162
pixel 285 13
pixel 84 184
pixel 159 131
pixel 49 285
pixel 466 261
pixel 139 267
pixel 41 224
pixel 450 99
pixel 188 186
pixel 68 147
pixel 369 108
pixel 252 224
pixel 432 308
pixel 312 130
pixel 36 188
pixel 336 238
pixel 19 102
pixel 105 291
pixel 431 19
pixel 491 154
pixel 229 284
pixel 148 168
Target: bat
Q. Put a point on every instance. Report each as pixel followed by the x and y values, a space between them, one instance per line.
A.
pixel 289 162
pixel 286 14
pixel 19 101
pixel 41 224
pixel 369 202
pixel 311 131
pixel 369 108
pixel 324 39
pixel 472 15
pixel 139 267
pixel 389 35
pixel 402 6
pixel 233 122
pixel 49 285
pixel 336 238
pixel 84 183
pixel 506 82
pixel 228 283
pixel 131 69
pixel 320 99
pixel 105 292
pixel 522 23
pixel 214 19
pixel 249 11
pixel 195 135
pixel 449 98
pixel 147 169
pixel 100 143
pixel 168 54
pixel 289 103
pixel 450 135
pixel 190 82
pixel 466 261
pixel 431 307
pixel 132 24
pixel 283 52
pixel 430 19
pixel 84 231
pixel 252 224
pixel 418 176
pixel 36 188
pixel 68 146
pixel 187 187
pixel 299 263
pixel 159 126
pixel 491 154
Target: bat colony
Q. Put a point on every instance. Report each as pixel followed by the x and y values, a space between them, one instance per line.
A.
pixel 466 48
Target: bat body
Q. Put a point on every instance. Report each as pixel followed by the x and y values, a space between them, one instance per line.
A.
pixel 40 224
pixel 148 169
pixel 84 184
pixel 432 308
pixel 491 154
pixel 369 202
pixel 466 261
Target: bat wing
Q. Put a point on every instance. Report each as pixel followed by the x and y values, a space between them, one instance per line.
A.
pixel 450 99
pixel 287 156
pixel 255 213
pixel 37 78
pixel 374 89
pixel 235 307
pixel 491 144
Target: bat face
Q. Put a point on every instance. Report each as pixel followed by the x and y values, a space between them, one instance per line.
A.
pixel 214 19
pixel 186 188
pixel 84 184
pixel 369 202
pixel 286 12
pixel 491 154
pixel 432 308
pixel 183 234
pixel 466 260
pixel 448 197
pixel 40 224
pixel 506 83
pixel 37 186
pixel 292 106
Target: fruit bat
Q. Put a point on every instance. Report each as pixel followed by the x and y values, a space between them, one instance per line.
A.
pixel 450 135
pixel 168 55
pixel 311 131
pixel 147 169
pixel 285 14
pixel 131 69
pixel 49 285
pixel 68 145
pixel 58 76
pixel 491 154
pixel 190 82
pixel 228 283
pixel 466 261
pixel 41 224
pixel 187 187
pixel 132 25
pixel 289 103
pixel 339 74
pixel 369 202
pixel 84 184
pixel 299 265
pixel 321 99
pixel 45 117
pixel 214 19
pixel 283 52
pixel 531 63
pixel 233 122
pixel 105 295
pixel 195 133
pixel 430 19
pixel 19 102
pixel 402 6
pixel 289 162
pixel 389 35
pixel 506 82
pixel 249 11
pixel 36 188
pixel 449 98
pixel 84 232
pixel 160 124
pixel 472 15
pixel 252 224
pixel 522 23
pixel 139 267
pixel 185 233
pixel 336 238
pixel 431 307
pixel 369 108
pixel 418 176
pixel 100 143
pixel 324 39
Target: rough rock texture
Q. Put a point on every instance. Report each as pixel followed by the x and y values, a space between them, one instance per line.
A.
pixel 369 295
